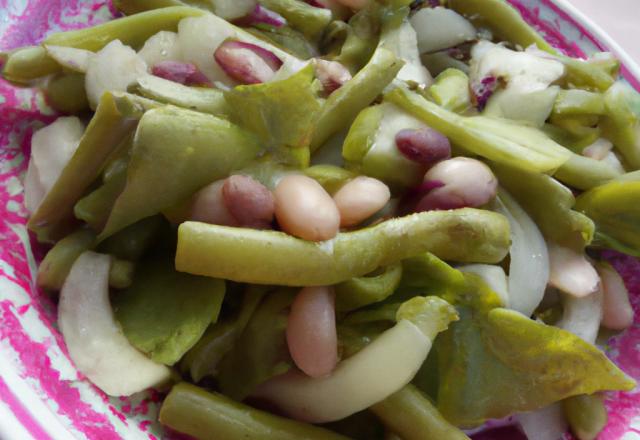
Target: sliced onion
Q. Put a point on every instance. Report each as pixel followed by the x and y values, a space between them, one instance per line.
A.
pixel 377 371
pixel 95 342
pixel 331 74
pixel 529 267
pixel 247 62
pixel 181 73
pixel 263 15
pixel 548 423
pixel 494 276
pixel 617 313
pixel 582 316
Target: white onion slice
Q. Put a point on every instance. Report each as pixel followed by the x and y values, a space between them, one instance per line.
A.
pixel 380 369
pixel 582 316
pixel 95 342
pixel 548 423
pixel 494 276
pixel 71 57
pixel 529 268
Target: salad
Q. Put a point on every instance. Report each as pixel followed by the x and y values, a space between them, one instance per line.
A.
pixel 331 220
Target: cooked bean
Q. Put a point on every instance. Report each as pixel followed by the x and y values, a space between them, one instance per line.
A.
pixel 426 146
pixel 250 202
pixel 468 183
pixel 331 74
pixel 209 206
pixel 311 331
pixel 359 199
pixel 304 209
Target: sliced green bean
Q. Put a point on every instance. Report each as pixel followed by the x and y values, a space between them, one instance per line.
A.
pixel 133 241
pixel 509 143
pixel 330 177
pixel 549 204
pixel 465 235
pixel 175 153
pixel 132 31
pixel 57 263
pixel 362 291
pixel 504 21
pixel 620 122
pixel 412 416
pixel 101 141
pixel 585 173
pixel 131 7
pixel 205 416
pixel 577 101
pixel 28 63
pixel 587 415
pixel 120 273
pixel 344 105
pixel 302 17
pixel 67 94
pixel 168 92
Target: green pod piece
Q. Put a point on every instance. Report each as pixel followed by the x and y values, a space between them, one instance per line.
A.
pixel 168 92
pixel 270 257
pixel 585 173
pixel 101 142
pixel 549 204
pixel 451 91
pixel 578 102
pixel 67 94
pixel 29 63
pixel 330 177
pixel 261 352
pixel 363 36
pixel 587 76
pixel 512 144
pixel 130 7
pixel 413 417
pixel 302 17
pixel 285 37
pixel 504 21
pixel 269 169
pixel 280 113
pixel 132 31
pixel 133 241
pixel 621 121
pixel 175 153
pixel 362 291
pixel 164 312
pixel 57 263
pixel 614 210
pixel 587 415
pixel 206 416
pixel 344 105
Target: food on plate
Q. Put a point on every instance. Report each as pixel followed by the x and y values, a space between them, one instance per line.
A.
pixel 376 217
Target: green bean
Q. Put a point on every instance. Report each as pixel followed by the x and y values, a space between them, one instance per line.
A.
pixel 344 105
pixel 205 416
pixel 57 263
pixel 176 152
pixel 412 416
pixel 130 7
pixel 101 141
pixel 133 241
pixel 304 18
pixel 504 21
pixel 465 235
pixel 549 204
pixel 330 177
pixel 620 122
pixel 362 291
pixel 120 273
pixel 587 415
pixel 132 31
pixel 585 173
pixel 577 101
pixel 508 143
pixel 168 92
pixel 28 63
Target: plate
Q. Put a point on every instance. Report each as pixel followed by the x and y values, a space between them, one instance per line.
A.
pixel 42 395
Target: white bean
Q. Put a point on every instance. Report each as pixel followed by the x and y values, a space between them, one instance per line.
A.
pixel 359 199
pixel 304 209
pixel 311 331
pixel 468 183
pixel 209 206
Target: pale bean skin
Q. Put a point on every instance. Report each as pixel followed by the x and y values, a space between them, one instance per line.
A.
pixel 359 199
pixel 617 313
pixel 209 206
pixel 250 202
pixel 305 210
pixel 468 183
pixel 311 331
